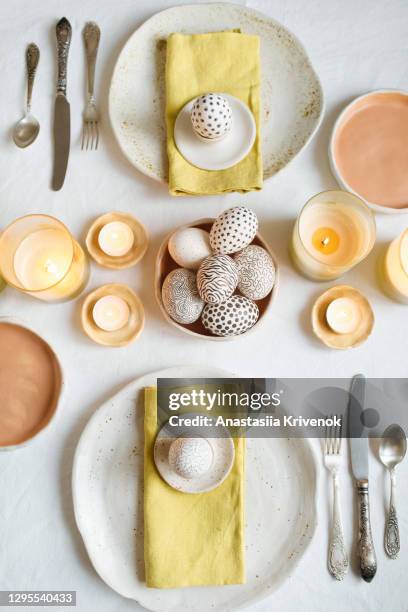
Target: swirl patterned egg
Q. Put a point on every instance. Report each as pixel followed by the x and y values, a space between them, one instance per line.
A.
pixel 217 278
pixel 180 296
pixel 256 272
pixel 233 230
pixel 231 318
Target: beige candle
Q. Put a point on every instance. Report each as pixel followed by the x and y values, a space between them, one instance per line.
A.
pixel 395 269
pixel 116 238
pixel 334 231
pixel 39 256
pixel 343 315
pixel 111 313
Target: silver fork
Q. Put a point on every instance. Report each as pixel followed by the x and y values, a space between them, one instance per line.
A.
pixel 90 129
pixel 337 560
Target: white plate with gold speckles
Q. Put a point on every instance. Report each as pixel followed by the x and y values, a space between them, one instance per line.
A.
pixel 292 96
pixel 281 481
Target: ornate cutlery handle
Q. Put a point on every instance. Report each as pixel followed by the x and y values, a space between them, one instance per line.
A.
pixel 338 560
pixel 368 560
pixel 64 34
pixel 32 59
pixel 392 539
pixel 92 35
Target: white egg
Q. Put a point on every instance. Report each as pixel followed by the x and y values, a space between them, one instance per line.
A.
pixel 180 296
pixel 233 230
pixel 211 116
pixel 256 272
pixel 189 246
pixel 190 457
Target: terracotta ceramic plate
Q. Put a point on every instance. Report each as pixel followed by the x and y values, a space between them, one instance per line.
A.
pixel 368 149
pixel 292 97
pixel 281 481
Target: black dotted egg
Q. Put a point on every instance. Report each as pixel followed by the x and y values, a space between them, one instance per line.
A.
pixel 180 296
pixel 233 230
pixel 231 318
pixel 217 278
pixel 211 116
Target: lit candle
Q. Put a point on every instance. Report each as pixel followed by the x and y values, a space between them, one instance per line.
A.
pixel 343 315
pixel 334 231
pixel 111 313
pixel 42 259
pixel 116 238
pixel 395 269
pixel 39 256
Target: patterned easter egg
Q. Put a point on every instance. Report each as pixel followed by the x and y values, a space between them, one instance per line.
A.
pixel 256 272
pixel 217 278
pixel 180 296
pixel 188 247
pixel 233 230
pixel 211 116
pixel 231 318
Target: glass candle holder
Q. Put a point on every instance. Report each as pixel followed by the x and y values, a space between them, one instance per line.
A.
pixel 334 231
pixel 39 256
pixel 394 269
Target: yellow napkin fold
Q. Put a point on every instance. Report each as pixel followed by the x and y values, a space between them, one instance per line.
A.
pixel 191 540
pixel 217 62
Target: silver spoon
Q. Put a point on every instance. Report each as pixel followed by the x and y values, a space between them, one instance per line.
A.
pixel 393 447
pixel 26 130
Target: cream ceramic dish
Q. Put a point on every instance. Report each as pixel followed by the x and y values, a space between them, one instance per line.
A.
pixel 223 453
pixel 135 254
pixel 165 264
pixel 55 399
pixel 119 337
pixel 224 153
pixel 332 339
pixel 377 153
pixel 107 479
pixel 292 96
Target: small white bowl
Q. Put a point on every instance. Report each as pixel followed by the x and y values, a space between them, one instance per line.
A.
pixel 223 451
pixel 335 169
pixel 224 152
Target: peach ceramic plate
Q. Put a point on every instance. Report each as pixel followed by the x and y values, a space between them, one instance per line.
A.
pixel 368 149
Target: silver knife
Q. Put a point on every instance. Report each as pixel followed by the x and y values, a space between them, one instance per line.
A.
pixel 359 464
pixel 62 123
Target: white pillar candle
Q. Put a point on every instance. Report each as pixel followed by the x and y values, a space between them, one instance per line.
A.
pixel 343 315
pixel 116 238
pixel 111 313
pixel 395 269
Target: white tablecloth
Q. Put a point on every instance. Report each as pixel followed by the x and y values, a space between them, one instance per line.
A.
pixel 355 47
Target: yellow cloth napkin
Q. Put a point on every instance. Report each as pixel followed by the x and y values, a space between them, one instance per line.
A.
pixel 219 62
pixel 191 539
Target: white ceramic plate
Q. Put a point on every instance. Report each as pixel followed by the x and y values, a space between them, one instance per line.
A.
pixel 292 97
pixel 108 504
pixel 221 154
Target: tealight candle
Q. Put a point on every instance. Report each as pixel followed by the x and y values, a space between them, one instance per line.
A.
pixel 395 269
pixel 334 231
pixel 116 238
pixel 343 315
pixel 111 313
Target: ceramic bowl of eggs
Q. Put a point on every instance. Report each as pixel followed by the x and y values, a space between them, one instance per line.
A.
pixel 216 278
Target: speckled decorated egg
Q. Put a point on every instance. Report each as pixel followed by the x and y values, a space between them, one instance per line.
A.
pixel 217 278
pixel 231 318
pixel 189 246
pixel 211 116
pixel 180 296
pixel 233 230
pixel 256 272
